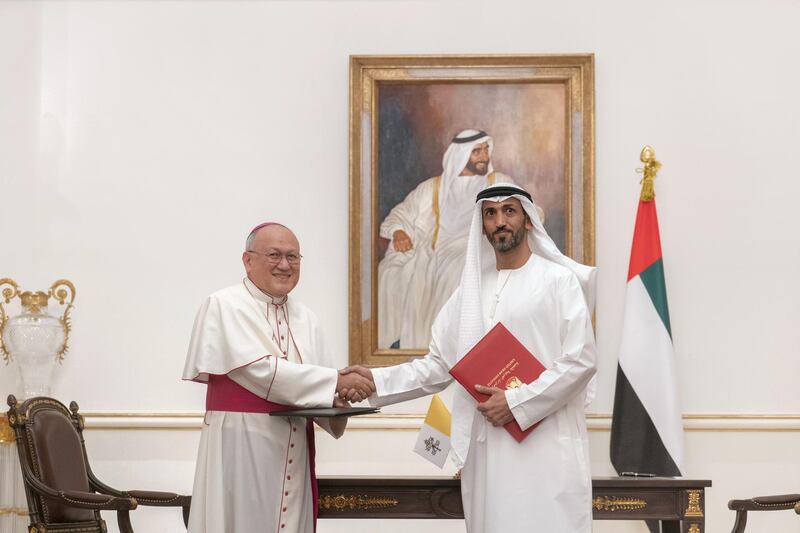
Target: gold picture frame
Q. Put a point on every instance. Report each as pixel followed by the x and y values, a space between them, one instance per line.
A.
pixel 404 110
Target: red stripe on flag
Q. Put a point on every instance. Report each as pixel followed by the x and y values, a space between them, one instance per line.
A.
pixel 646 248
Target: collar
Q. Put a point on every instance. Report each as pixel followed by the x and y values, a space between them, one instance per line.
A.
pixel 530 261
pixel 263 296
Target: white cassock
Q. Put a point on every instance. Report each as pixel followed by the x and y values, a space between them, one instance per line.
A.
pixel 253 469
pixel 543 483
pixel 414 285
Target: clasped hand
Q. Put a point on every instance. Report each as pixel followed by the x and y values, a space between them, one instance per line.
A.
pixel 495 409
pixel 355 384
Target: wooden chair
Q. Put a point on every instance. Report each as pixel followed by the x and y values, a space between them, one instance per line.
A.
pixel 761 503
pixel 63 494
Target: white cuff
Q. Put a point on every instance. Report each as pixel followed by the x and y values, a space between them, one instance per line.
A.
pixel 380 382
pixel 390 232
pixel 515 404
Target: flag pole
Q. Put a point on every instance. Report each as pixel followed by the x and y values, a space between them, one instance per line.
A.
pixel 651 168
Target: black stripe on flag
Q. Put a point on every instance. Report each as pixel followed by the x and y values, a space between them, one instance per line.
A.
pixel 636 445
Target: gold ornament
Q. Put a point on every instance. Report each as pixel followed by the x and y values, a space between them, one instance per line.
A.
pixel 651 168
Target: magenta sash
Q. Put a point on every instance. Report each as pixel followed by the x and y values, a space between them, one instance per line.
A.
pixel 224 394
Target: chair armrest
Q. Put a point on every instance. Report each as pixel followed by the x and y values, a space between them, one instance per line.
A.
pixel 159 499
pixel 91 500
pixel 76 498
pixel 144 497
pixel 766 503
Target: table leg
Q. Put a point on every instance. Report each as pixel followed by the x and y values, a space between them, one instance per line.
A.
pixel 695 525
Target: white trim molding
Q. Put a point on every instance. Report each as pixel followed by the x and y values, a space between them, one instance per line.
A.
pixel 413 422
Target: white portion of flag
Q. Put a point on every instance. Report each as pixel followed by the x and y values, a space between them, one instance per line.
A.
pixel 433 445
pixel 646 356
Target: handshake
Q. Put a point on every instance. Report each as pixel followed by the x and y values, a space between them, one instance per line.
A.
pixel 354 384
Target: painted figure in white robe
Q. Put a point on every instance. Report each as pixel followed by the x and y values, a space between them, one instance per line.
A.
pixel 428 234
pixel 514 274
pixel 259 350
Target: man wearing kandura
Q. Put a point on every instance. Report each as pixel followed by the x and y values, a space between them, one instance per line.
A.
pixel 428 237
pixel 259 350
pixel 514 274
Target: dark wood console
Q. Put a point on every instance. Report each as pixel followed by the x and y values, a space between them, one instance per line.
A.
pixel 678 502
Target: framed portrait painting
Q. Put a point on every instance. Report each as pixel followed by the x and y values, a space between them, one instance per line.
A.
pixel 418 126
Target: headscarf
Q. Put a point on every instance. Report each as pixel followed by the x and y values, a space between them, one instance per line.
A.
pixel 454 161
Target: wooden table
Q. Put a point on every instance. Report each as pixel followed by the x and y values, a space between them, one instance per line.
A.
pixel 679 503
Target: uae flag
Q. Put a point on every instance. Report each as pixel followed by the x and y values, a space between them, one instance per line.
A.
pixel 646 430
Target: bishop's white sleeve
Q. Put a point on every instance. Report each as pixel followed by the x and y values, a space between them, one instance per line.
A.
pixel 279 381
pixel 571 372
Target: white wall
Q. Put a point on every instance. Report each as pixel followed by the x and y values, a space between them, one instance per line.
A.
pixel 139 142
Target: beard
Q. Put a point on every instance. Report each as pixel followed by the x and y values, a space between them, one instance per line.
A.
pixel 480 168
pixel 512 239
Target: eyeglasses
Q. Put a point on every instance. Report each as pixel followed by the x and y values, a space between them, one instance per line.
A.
pixel 275 258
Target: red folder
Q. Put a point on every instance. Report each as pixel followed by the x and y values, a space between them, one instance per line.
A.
pixel 498 360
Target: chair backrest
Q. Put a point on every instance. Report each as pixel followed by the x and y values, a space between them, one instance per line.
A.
pixel 51 449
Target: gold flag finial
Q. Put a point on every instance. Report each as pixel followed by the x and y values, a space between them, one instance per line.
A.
pixel 651 167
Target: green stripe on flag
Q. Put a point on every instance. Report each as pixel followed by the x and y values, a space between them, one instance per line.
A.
pixel 653 280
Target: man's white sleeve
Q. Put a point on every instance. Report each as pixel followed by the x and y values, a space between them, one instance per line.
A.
pixel 403 215
pixel 414 379
pixel 280 381
pixel 571 372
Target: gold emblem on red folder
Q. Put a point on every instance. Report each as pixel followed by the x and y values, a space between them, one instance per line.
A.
pixel 513 383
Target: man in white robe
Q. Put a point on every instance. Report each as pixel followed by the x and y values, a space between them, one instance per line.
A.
pixel 514 274
pixel 428 234
pixel 258 350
